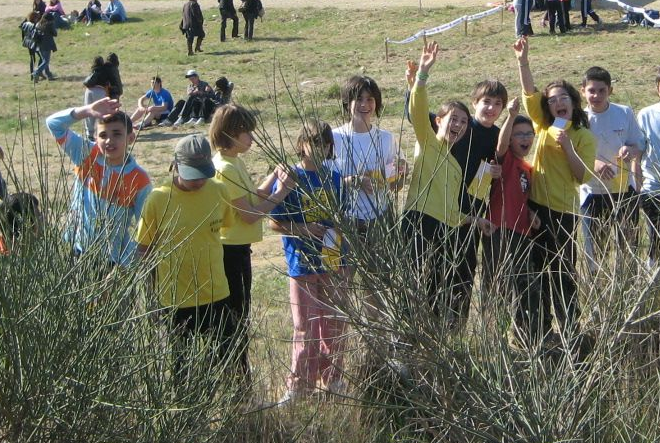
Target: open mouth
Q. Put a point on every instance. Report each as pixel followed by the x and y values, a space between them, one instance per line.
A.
pixel 525 148
pixel 563 113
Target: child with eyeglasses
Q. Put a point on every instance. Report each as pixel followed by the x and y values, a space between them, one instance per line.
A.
pixel 564 159
pixel 506 252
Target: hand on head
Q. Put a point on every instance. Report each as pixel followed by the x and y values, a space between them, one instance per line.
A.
pixel 104 108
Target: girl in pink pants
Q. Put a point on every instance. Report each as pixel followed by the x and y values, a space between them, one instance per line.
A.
pixel 308 235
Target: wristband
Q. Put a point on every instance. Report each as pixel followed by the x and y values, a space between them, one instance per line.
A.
pixel 422 76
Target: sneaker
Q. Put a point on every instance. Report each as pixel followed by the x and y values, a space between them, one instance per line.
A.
pixel 165 123
pixel 191 121
pixel 178 122
pixel 290 396
pixel 199 121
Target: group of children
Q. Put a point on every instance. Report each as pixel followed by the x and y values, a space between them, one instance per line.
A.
pixel 470 183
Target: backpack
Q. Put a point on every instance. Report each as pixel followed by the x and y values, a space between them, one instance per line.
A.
pixel 26 31
pixel 36 36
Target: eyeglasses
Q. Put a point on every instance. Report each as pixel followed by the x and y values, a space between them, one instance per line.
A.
pixel 559 98
pixel 521 135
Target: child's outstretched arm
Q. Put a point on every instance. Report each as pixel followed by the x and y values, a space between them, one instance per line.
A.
pixel 426 61
pixel 504 139
pixel 521 48
pixel 419 105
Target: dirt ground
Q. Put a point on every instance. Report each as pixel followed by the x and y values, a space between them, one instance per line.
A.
pixel 20 8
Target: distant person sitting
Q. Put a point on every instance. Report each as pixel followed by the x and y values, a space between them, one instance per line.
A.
pixel 56 11
pixel 155 104
pixel 191 110
pixel 114 12
pixel 91 13
pixel 221 96
pixel 39 6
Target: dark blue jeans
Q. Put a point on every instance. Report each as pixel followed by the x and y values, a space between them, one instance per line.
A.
pixel 44 66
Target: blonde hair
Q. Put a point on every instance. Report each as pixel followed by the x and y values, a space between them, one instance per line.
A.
pixel 229 121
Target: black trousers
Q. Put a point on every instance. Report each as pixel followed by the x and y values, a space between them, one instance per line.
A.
pixel 604 213
pixel 238 268
pixel 223 24
pixel 553 257
pixel 556 15
pixel 651 207
pixel 428 249
pixel 587 10
pixel 214 321
pixel 509 277
pixel 249 26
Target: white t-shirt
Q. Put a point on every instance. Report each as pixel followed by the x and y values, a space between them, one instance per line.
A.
pixel 373 154
pixel 649 121
pixel 613 128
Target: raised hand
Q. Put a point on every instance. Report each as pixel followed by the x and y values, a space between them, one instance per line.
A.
pixel 411 71
pixel 521 48
pixel 513 107
pixel 427 59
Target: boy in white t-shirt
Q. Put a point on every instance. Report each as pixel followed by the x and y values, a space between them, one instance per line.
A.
pixel 649 121
pixel 367 156
pixel 609 200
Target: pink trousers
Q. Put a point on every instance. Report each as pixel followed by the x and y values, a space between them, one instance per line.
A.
pixel 317 345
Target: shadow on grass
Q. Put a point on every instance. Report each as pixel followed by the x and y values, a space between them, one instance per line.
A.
pixel 278 39
pixel 71 78
pixel 234 52
pixel 132 20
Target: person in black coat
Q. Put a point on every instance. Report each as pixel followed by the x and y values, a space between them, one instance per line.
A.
pixel 250 12
pixel 227 11
pixel 45 46
pixel 192 25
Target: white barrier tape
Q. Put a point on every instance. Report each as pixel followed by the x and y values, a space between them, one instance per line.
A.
pixel 484 14
pixel 636 9
pixel 446 26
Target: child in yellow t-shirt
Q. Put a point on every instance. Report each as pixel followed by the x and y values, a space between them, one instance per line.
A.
pixel 230 134
pixel 564 158
pixel 180 227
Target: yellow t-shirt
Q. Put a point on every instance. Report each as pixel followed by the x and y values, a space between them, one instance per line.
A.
pixel 231 171
pixel 436 179
pixel 184 228
pixel 554 185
